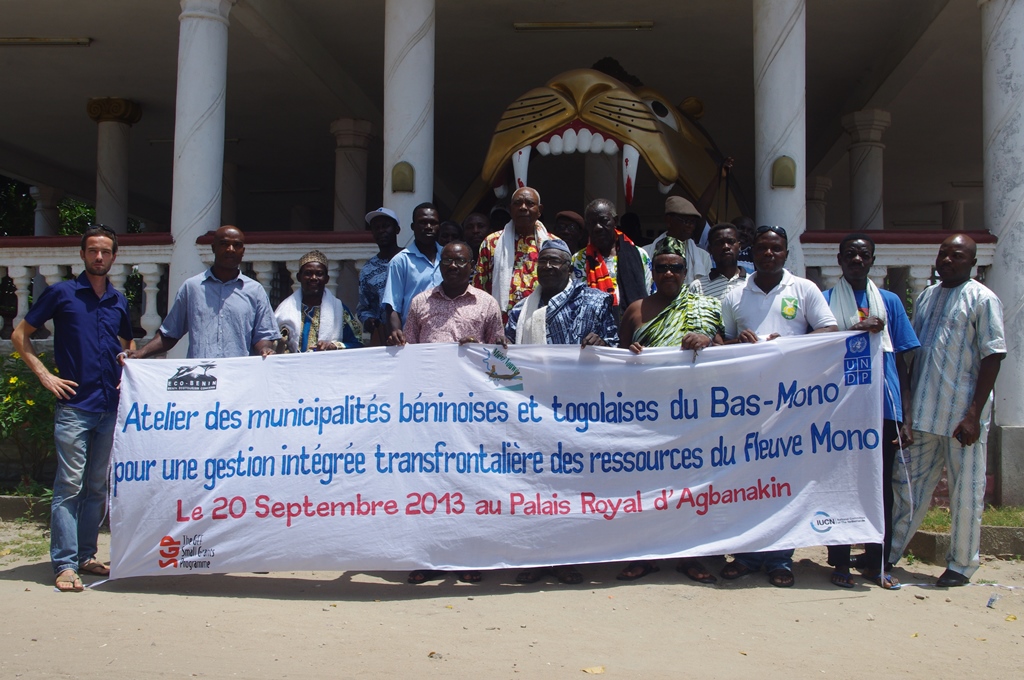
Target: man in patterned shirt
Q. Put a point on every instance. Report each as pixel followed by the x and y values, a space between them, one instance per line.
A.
pixel 960 325
pixel 373 277
pixel 610 262
pixel 507 266
pixel 561 310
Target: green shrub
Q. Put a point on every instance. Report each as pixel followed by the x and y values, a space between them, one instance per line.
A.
pixel 26 417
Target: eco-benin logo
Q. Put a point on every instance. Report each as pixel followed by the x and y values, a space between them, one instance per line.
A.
pixel 187 379
pixel 501 371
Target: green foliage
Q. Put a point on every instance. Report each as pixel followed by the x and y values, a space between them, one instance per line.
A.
pixel 75 216
pixel 17 208
pixel 26 417
pixel 938 519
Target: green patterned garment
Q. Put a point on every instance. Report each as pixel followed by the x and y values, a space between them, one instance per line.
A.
pixel 688 313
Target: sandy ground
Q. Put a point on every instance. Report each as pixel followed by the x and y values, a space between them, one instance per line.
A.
pixel 341 625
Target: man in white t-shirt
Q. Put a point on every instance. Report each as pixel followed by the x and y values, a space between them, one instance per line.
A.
pixel 773 303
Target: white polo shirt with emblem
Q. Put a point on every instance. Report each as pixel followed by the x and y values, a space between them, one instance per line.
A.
pixel 794 307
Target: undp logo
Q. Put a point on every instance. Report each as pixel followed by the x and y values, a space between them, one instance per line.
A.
pixel 822 522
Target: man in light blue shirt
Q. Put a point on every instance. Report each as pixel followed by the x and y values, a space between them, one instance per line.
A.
pixel 224 312
pixel 413 270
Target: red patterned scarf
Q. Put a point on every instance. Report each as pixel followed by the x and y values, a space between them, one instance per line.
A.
pixel 597 269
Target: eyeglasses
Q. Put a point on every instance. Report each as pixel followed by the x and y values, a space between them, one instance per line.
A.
pixel 457 261
pixel 775 229
pixel 665 268
pixel 551 261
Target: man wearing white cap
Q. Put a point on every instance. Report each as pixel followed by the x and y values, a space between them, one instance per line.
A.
pixel 383 224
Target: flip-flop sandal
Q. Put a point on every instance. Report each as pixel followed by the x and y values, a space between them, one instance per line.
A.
pixel 528 576
pixel 842 579
pixel 883 581
pixel 70 579
pixel 645 568
pixel 696 571
pixel 568 575
pixel 423 575
pixel 781 578
pixel 471 577
pixel 94 567
pixel 735 570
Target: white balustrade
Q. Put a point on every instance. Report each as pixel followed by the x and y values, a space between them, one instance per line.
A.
pixel 57 261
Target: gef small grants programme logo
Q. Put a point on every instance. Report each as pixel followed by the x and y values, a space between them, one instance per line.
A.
pixel 185 553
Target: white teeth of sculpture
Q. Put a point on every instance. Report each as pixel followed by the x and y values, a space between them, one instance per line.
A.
pixel 569 140
pixel 583 138
pixel 500 191
pixel 584 141
pixel 630 159
pixel 665 188
pixel 520 165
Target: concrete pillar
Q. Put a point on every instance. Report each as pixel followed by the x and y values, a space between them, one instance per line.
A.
pixel 198 134
pixel 779 116
pixel 47 223
pixel 408 104
pixel 866 128
pixel 352 137
pixel 1002 109
pixel 114 117
pixel 47 218
pixel 953 215
pixel 817 187
pixel 229 194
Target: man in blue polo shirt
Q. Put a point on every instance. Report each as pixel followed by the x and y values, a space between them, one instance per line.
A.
pixel 859 305
pixel 91 326
pixel 224 312
pixel 412 271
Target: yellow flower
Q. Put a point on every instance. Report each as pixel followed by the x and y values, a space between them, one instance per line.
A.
pixel 7 398
pixel 30 402
pixel 15 355
pixel 13 379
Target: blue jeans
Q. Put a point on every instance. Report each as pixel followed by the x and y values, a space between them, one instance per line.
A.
pixel 769 560
pixel 83 441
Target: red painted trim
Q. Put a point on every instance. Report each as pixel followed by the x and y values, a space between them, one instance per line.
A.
pixel 891 237
pixel 159 239
pixel 287 237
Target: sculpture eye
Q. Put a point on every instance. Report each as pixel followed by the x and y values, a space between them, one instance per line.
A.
pixel 662 113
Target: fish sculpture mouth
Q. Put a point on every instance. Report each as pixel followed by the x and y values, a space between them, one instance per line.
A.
pixel 586 111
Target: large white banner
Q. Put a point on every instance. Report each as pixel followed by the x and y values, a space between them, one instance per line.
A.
pixel 447 457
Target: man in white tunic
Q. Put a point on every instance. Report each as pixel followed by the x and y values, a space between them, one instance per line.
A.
pixel 960 325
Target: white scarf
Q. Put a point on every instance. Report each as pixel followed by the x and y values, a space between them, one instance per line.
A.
pixel 533 320
pixel 289 315
pixel 844 305
pixel 505 259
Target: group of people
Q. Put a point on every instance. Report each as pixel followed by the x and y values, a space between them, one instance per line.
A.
pixel 522 284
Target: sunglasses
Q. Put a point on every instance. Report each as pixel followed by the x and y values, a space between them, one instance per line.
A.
pixel 665 268
pixel 775 229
